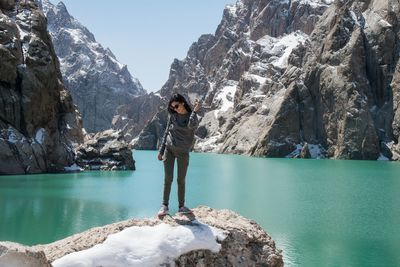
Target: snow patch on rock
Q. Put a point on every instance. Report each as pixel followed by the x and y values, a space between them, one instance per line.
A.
pixel 281 48
pixel 147 246
pixel 224 99
pixel 315 3
pixel 73 168
pixel 209 144
pixel 382 157
pixel 316 151
pixel 40 134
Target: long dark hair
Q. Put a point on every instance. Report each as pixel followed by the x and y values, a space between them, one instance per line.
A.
pixel 180 99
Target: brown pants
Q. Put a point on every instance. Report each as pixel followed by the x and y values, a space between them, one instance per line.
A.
pixel 183 163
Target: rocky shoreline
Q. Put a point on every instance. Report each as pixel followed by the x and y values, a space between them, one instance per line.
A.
pixel 245 242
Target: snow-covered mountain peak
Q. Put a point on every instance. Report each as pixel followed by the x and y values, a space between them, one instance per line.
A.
pixel 89 69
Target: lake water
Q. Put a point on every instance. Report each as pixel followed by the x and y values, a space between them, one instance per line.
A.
pixel 319 212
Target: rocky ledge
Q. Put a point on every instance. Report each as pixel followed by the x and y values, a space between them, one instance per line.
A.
pixel 105 150
pixel 237 242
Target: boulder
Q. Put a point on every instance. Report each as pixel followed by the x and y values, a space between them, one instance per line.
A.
pixel 105 150
pixel 244 243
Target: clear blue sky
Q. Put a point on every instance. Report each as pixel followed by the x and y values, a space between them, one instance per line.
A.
pixel 148 34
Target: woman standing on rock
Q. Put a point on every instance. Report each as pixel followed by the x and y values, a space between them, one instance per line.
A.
pixel 176 143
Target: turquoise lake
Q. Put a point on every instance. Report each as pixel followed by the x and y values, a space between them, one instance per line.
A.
pixel 319 212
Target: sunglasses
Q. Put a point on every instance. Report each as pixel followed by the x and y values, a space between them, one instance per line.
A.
pixel 175 106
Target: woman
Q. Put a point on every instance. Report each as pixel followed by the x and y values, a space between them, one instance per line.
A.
pixel 176 143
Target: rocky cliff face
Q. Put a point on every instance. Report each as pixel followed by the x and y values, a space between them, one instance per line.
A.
pixel 97 81
pixel 341 96
pixel 38 121
pixel 281 74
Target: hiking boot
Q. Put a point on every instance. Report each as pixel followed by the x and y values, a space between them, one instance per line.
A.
pixel 184 210
pixel 163 210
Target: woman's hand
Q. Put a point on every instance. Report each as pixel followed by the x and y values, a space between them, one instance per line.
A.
pixel 197 105
pixel 159 157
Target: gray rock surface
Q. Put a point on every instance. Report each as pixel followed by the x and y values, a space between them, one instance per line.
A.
pixel 16 255
pixel 105 150
pixel 7 4
pixel 97 81
pixel 132 118
pixel 38 121
pixel 246 244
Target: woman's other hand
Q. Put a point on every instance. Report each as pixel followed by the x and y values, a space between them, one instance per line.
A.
pixel 197 105
pixel 159 157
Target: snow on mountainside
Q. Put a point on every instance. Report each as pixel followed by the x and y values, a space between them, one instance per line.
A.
pixel 98 82
pixel 315 3
pixel 280 48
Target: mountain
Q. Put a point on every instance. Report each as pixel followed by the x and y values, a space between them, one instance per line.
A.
pixel 38 120
pixel 218 61
pixel 98 82
pixel 251 46
pixel 278 76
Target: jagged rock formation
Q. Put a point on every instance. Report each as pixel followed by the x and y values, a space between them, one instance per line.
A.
pixel 105 150
pixel 245 244
pixel 38 121
pixel 279 74
pixel 97 81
